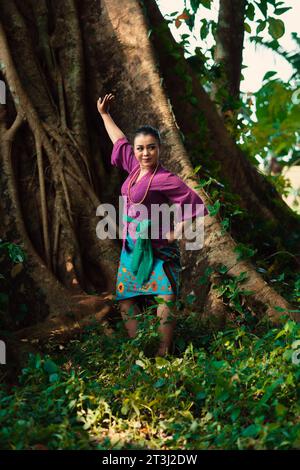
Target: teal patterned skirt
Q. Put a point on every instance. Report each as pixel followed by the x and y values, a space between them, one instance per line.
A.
pixel 163 280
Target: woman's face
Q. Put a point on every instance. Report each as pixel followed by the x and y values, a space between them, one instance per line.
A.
pixel 146 150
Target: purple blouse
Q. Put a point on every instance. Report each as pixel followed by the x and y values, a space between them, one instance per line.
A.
pixel 165 188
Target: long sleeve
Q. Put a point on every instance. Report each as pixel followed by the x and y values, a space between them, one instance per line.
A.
pixel 190 203
pixel 123 156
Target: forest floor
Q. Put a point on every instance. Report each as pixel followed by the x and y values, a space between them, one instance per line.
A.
pixel 232 389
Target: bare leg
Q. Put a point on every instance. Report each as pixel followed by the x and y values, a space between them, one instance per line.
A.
pixel 166 327
pixel 129 309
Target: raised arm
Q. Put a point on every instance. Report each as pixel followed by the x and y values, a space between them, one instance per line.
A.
pixel 112 129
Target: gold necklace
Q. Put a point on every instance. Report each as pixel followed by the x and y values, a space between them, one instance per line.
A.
pixel 131 181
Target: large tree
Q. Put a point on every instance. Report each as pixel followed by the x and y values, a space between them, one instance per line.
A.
pixel 56 58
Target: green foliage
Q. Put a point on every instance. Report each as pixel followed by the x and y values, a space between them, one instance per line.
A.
pixel 259 15
pixel 265 124
pixel 12 258
pixel 273 45
pixel 233 296
pixel 275 129
pixel 276 28
pixel 264 5
pixel 229 390
pixel 14 251
pixel 243 251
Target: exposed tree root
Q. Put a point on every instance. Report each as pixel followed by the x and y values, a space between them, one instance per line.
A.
pixel 84 311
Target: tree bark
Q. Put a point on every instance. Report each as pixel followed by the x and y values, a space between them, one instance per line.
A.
pixel 229 50
pixel 42 123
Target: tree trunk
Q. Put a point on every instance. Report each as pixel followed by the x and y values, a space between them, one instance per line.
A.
pixel 229 52
pixel 55 155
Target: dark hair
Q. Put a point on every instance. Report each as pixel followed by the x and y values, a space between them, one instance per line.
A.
pixel 148 130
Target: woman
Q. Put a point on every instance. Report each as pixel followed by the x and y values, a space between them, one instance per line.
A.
pixel 147 267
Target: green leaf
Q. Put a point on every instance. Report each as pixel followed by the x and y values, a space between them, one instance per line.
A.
pixel 219 364
pixel 261 26
pixel 247 292
pixel 161 362
pixel 193 100
pixel 263 6
pixel 204 29
pixel 137 411
pixel 225 225
pixel 124 410
pixel 280 11
pixel 287 355
pixel 223 269
pixel 196 169
pixel 280 409
pixel 204 279
pixel 214 209
pixel 72 404
pixel 223 396
pixel 279 309
pixel 276 28
pixel 190 299
pixel 53 378
pixel 206 3
pixel 195 5
pixel 50 367
pixel 251 430
pixel 201 396
pixel 269 74
pixel 247 27
pixel 281 333
pixel 37 361
pixel 250 11
pixel 159 383
pixel 244 251
pixel 235 414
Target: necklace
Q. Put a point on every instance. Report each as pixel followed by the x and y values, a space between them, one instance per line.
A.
pixel 131 181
